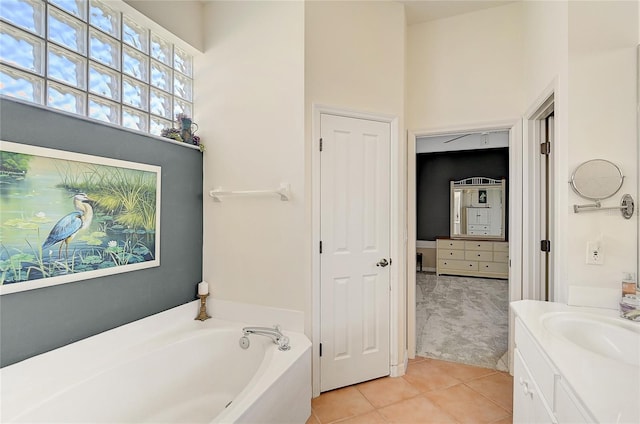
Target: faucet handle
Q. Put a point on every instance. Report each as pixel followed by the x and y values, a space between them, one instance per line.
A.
pixel 283 343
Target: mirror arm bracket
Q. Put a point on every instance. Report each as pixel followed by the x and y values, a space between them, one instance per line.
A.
pixel 626 207
pixel 588 207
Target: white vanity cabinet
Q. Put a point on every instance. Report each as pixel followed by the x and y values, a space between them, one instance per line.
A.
pixel 540 392
pixel 567 407
pixel 529 406
pixel 533 380
pixel 570 368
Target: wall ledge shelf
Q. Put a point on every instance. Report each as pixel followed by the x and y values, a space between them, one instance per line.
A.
pixel 284 191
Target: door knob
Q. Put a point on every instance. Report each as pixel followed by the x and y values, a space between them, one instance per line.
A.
pixel 383 262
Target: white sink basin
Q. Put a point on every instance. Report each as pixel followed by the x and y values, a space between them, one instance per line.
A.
pixel 609 337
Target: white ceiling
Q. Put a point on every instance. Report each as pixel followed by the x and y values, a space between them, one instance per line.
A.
pixel 428 10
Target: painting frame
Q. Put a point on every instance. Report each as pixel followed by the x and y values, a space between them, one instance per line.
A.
pixel 482 196
pixel 129 247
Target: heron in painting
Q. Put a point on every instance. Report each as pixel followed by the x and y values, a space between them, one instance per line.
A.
pixel 69 225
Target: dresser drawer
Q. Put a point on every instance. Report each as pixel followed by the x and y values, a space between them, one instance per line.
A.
pixel 501 246
pixel 478 255
pixel 496 267
pixel 453 265
pixel 450 254
pixel 501 257
pixel 478 232
pixel 478 245
pixel 450 244
pixel 478 227
pixel 473 257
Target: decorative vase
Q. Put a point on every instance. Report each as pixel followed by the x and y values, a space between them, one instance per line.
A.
pixel 185 130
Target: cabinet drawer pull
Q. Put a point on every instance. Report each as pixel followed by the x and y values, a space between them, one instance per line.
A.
pixel 525 388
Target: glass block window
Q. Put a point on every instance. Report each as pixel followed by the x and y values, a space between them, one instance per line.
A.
pixel 26 14
pixel 84 57
pixel 67 31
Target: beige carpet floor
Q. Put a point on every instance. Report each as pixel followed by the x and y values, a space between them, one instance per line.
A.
pixel 462 319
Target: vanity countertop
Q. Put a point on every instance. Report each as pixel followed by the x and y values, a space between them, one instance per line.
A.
pixel 609 389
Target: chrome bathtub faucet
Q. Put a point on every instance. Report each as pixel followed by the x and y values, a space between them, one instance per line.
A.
pixel 274 333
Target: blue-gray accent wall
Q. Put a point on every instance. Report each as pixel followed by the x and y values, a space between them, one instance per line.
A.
pixel 36 321
pixel 435 171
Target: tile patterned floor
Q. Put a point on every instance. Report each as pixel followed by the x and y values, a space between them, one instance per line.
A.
pixel 431 392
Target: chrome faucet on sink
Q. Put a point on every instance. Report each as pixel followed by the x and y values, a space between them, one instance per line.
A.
pixel 274 333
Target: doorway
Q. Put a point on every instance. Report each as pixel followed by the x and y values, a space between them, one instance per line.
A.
pixel 462 309
pixel 513 129
pixel 541 133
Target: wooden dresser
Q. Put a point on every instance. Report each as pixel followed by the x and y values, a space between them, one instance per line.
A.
pixel 478 258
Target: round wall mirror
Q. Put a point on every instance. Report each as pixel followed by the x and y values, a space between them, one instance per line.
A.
pixel 597 179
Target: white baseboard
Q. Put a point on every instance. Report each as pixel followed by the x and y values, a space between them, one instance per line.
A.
pixel 400 369
pixel 425 244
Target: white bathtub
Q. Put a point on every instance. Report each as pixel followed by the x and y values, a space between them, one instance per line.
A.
pixel 164 368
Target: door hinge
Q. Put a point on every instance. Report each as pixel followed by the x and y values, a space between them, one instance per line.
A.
pixel 320 246
pixel 320 143
pixel 545 148
pixel 545 245
pixel 320 349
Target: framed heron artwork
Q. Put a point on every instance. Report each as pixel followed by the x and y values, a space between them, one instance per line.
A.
pixel 67 216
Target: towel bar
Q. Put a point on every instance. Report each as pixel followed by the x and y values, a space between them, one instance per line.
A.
pixel 284 191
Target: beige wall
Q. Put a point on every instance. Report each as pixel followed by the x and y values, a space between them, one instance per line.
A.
pixel 184 18
pixel 545 47
pixel 355 55
pixel 250 109
pixel 465 69
pixel 428 257
pixel 603 38
pixel 587 52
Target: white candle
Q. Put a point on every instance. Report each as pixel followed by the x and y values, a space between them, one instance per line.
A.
pixel 203 288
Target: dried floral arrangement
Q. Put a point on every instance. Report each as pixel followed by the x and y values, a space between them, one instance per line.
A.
pixel 177 133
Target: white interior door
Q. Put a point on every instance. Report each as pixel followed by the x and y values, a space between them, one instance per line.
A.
pixel 355 246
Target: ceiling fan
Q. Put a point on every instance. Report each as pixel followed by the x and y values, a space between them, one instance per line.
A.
pixel 483 134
